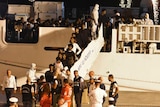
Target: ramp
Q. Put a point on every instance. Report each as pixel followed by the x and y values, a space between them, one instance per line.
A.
pixel 89 55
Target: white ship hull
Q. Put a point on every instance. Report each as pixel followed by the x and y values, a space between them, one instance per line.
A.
pixel 132 71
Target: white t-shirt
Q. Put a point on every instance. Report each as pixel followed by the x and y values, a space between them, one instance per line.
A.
pixel 96 97
pixel 9 82
pixel 32 75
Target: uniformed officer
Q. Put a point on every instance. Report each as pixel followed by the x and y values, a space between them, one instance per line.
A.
pixel 113 91
pixel 96 96
pixel 77 89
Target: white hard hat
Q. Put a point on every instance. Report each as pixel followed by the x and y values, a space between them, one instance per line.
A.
pixel 13 99
pixel 111 99
pixel 66 68
pixel 117 14
pixel 97 81
pixel 111 106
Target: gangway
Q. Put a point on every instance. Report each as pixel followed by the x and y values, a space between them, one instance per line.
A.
pixel 89 55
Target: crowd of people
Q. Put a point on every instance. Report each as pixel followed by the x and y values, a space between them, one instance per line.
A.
pixel 85 28
pixel 56 88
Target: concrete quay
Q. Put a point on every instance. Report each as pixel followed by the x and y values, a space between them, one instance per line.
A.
pixel 126 99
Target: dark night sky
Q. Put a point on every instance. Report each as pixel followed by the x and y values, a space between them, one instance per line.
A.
pixel 68 3
pixel 77 3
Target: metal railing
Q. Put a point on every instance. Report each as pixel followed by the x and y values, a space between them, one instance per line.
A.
pixel 141 33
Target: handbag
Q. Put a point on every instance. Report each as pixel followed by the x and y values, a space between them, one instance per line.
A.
pixel 84 85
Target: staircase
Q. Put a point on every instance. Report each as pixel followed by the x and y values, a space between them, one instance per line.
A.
pixel 89 55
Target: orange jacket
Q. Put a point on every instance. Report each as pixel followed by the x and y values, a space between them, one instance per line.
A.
pixel 46 101
pixel 66 92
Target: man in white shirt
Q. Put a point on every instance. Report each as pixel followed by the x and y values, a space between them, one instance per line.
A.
pixel 76 48
pixel 9 85
pixel 96 96
pixel 31 74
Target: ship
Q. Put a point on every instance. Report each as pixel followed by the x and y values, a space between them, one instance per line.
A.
pixel 134 66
